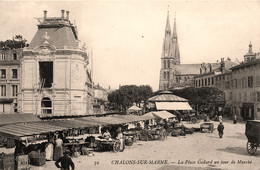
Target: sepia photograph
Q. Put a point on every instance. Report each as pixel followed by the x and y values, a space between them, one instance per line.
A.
pixel 130 85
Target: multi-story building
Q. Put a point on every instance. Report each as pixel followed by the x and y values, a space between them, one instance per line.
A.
pixel 100 99
pixel 223 83
pixel 172 73
pixel 9 79
pixel 208 73
pixel 245 87
pixel 217 75
pixel 55 78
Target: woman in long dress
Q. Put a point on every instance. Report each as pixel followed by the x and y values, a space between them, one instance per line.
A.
pixel 120 137
pixel 58 150
pixel 49 151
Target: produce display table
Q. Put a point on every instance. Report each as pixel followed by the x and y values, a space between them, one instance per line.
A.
pixel 110 144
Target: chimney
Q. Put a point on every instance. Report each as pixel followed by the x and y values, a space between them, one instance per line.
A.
pixel 68 15
pixel 45 14
pixel 210 67
pixel 62 14
pixel 222 65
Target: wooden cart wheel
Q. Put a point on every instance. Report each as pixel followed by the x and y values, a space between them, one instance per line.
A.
pixel 251 147
pixel 116 146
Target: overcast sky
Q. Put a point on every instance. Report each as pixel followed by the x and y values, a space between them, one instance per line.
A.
pixel 127 36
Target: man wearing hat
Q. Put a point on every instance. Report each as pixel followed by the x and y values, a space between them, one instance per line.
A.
pixel 65 161
pixel 220 129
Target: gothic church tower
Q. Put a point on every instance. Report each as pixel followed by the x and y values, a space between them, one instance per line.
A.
pixel 170 56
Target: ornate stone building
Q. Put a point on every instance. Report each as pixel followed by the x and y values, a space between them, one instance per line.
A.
pixel 9 79
pixel 55 77
pixel 173 74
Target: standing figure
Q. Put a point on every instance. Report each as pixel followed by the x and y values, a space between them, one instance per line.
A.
pixel 49 150
pixel 120 137
pixel 65 161
pixel 220 118
pixel 58 151
pixel 235 119
pixel 220 129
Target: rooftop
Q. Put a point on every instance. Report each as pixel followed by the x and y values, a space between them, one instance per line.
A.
pixel 57 31
pixel 249 63
pixel 187 69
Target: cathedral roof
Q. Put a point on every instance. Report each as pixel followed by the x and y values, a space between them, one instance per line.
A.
pixel 185 69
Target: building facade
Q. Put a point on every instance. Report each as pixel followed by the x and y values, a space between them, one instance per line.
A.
pixel 208 73
pixel 245 87
pixel 55 77
pixel 100 99
pixel 10 76
pixel 172 73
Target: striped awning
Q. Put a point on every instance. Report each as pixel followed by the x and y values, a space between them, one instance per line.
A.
pixel 173 106
pixel 16 131
pixel 166 98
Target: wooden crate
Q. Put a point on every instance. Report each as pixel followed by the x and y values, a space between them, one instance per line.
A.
pixel 40 160
pixel 7 162
pixel 22 162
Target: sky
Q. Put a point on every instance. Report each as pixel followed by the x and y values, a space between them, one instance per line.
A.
pixel 126 37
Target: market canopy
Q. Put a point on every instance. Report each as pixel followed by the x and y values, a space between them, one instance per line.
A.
pixel 37 126
pixel 71 124
pixel 158 115
pixel 166 96
pixel 17 118
pixel 16 131
pixel 173 106
pixel 134 108
pixel 113 120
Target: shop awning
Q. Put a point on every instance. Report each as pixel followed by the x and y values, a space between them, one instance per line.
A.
pixel 17 118
pixel 173 106
pixel 16 131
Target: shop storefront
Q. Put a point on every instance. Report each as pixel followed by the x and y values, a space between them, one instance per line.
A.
pixel 247 112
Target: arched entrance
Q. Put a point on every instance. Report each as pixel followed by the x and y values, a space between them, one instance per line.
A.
pixel 46 105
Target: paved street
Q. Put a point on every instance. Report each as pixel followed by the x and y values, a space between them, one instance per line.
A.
pixel 196 151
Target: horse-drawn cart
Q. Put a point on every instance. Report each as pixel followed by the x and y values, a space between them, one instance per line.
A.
pixel 207 126
pixel 253 135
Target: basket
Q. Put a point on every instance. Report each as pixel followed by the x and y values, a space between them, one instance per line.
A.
pixel 129 142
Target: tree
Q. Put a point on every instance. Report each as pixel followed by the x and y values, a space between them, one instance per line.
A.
pixel 128 94
pixel 17 42
pixel 204 97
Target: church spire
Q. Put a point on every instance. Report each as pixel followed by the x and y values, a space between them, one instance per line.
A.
pixel 168 27
pixel 174 34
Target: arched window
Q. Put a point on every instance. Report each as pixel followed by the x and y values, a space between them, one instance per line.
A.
pixel 46 105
